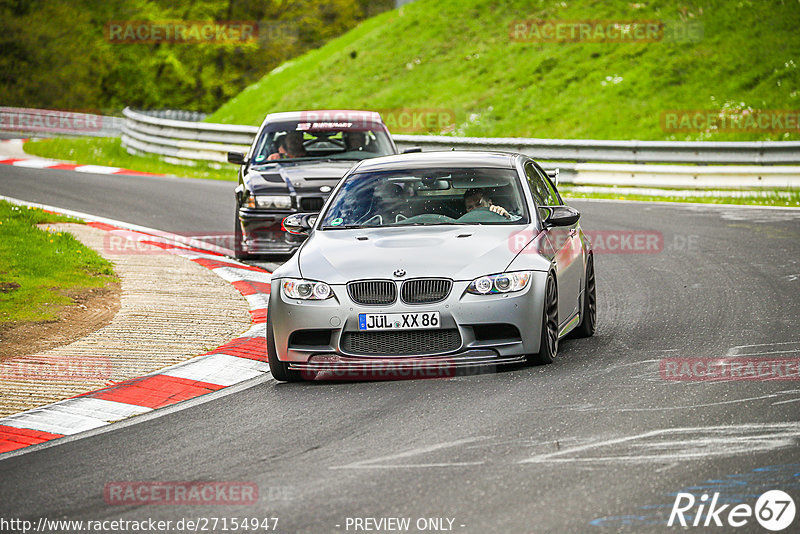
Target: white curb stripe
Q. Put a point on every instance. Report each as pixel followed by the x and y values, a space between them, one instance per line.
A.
pixel 257 301
pixel 220 369
pixel 35 163
pixel 72 416
pixel 257 330
pixel 48 419
pixel 238 275
pixel 97 169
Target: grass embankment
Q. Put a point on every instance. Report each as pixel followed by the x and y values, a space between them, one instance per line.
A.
pixel 109 152
pixel 459 55
pixel 39 269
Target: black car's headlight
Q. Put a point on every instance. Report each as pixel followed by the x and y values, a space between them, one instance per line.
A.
pixel 500 283
pixel 296 288
pixel 280 202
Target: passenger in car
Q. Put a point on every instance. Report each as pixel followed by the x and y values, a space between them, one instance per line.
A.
pixel 479 198
pixel 291 146
pixel 356 141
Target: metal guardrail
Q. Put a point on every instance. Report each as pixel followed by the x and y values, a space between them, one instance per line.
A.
pixel 183 140
pixel 584 150
pixel 50 122
pixel 580 161
pixel 206 141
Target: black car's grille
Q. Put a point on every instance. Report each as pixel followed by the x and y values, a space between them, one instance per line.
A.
pixel 401 343
pixel 373 292
pixel 425 290
pixel 311 203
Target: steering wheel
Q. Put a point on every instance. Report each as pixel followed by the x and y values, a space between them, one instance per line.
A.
pixel 481 214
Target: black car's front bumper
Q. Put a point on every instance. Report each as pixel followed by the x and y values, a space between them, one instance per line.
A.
pixel 262 232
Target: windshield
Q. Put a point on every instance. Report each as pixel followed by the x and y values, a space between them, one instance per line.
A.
pixel 296 140
pixel 427 197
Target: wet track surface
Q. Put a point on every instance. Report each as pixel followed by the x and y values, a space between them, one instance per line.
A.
pixel 598 441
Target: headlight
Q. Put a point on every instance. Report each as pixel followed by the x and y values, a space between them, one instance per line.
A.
pixel 306 289
pixel 500 283
pixel 280 202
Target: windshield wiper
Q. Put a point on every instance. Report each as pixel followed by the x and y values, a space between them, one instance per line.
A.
pixel 344 227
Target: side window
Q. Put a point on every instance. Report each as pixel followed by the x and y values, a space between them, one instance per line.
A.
pixel 534 181
pixel 549 191
pixel 542 189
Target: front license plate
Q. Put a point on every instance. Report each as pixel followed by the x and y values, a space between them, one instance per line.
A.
pixel 398 321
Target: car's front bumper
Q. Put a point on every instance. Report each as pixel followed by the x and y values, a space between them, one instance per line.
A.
pixel 491 328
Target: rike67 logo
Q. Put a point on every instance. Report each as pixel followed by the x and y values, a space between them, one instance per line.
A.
pixel 774 510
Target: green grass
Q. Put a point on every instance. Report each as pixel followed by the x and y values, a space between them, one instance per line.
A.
pixel 788 199
pixel 458 55
pixel 39 268
pixel 108 151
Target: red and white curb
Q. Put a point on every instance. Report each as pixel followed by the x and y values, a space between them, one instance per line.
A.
pixel 39 163
pixel 238 360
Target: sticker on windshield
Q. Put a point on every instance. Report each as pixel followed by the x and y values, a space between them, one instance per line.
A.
pixel 337 221
pixel 260 158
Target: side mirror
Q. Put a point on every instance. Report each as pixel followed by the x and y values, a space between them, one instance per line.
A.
pixel 299 223
pixel 236 158
pixel 412 150
pixel 559 215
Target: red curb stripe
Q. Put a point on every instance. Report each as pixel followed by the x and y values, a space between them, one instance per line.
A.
pixel 214 264
pixel 64 167
pixel 252 348
pixel 102 226
pixel 12 438
pixel 247 287
pixel 259 316
pixel 129 172
pixel 10 161
pixel 154 391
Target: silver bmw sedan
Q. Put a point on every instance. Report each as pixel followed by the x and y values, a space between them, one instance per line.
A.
pixel 424 262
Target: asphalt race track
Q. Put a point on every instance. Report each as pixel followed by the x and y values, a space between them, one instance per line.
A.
pixel 599 441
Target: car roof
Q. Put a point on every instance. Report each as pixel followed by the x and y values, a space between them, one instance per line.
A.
pixel 426 160
pixel 326 115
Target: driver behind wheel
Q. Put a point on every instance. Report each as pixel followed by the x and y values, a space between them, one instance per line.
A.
pixel 479 198
pixel 291 146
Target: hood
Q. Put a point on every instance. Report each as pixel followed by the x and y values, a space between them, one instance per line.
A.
pixel 457 252
pixel 301 175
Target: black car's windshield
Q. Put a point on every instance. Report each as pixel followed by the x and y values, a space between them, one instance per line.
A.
pixel 427 197
pixel 312 140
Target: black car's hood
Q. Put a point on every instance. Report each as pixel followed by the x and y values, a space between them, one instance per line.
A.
pixel 300 175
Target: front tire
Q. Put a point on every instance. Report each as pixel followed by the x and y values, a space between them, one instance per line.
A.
pixel 280 370
pixel 238 251
pixel 548 344
pixel 589 310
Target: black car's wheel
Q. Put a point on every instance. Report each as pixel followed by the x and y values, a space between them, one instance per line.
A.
pixel 280 370
pixel 589 309
pixel 548 346
pixel 238 251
